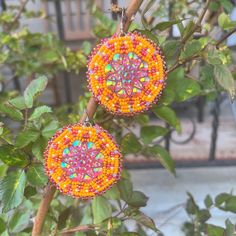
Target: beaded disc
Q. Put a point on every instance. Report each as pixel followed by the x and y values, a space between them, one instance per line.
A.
pixel 82 161
pixel 126 74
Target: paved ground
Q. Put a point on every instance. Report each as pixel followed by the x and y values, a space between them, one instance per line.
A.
pixel 167 195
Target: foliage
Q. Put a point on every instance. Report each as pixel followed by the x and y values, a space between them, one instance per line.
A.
pixel 200 218
pixel 27 124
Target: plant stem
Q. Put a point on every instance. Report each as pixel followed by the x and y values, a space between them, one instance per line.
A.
pixel 225 37
pixel 90 111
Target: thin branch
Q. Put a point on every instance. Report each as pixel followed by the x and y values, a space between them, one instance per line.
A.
pixel 198 23
pixel 182 62
pixel 225 37
pixel 22 8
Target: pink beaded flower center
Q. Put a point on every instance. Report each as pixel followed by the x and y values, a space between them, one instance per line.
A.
pixel 127 74
pixel 82 161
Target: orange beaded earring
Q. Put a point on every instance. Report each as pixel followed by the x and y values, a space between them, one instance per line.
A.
pixel 83 161
pixel 126 73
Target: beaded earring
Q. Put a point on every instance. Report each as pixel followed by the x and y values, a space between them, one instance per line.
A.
pixel 126 73
pixel 82 160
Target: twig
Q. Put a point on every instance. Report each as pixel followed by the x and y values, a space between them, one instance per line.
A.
pixel 90 111
pixel 225 37
pixel 180 63
pixel 198 23
pixel 18 14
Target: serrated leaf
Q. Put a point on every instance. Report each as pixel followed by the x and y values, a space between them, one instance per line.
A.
pixel 225 79
pixel 18 102
pixel 12 156
pixel 50 129
pixel 34 89
pixel 144 220
pixel 163 156
pixel 11 111
pixel 130 144
pixel 12 190
pixel 138 199
pixel 101 209
pixel 168 115
pixel 36 175
pixel 26 137
pixel 39 111
pixel 149 133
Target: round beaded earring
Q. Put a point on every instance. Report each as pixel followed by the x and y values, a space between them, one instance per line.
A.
pixel 126 73
pixel 82 161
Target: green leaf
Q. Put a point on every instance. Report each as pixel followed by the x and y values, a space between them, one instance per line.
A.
pixel 129 234
pixel 168 115
pixel 227 5
pixel 12 190
pixel 187 89
pixel 221 198
pixel 34 89
pixel 2 226
pixel 225 79
pixel 39 147
pixel 26 137
pixel 18 102
pixel 191 206
pixel 126 189
pixel 50 129
pixel 11 111
pixel 112 193
pixel 49 56
pixel 166 24
pixel 86 47
pixel 213 230
pixel 192 48
pixel 171 50
pixel 30 191
pixel 36 175
pixel 39 111
pixel 101 209
pixel 13 156
pixel 208 201
pixel 167 97
pixel 138 199
pixel 144 220
pixel 203 215
pixel 188 29
pixel 163 156
pixel 142 119
pixel 19 221
pixel 130 144
pixel 149 133
pixel 225 22
pixel 230 228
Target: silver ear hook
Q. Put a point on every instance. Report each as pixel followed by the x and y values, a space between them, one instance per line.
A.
pixel 87 121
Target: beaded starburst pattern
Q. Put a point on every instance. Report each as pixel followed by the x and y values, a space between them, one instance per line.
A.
pixel 126 74
pixel 82 161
